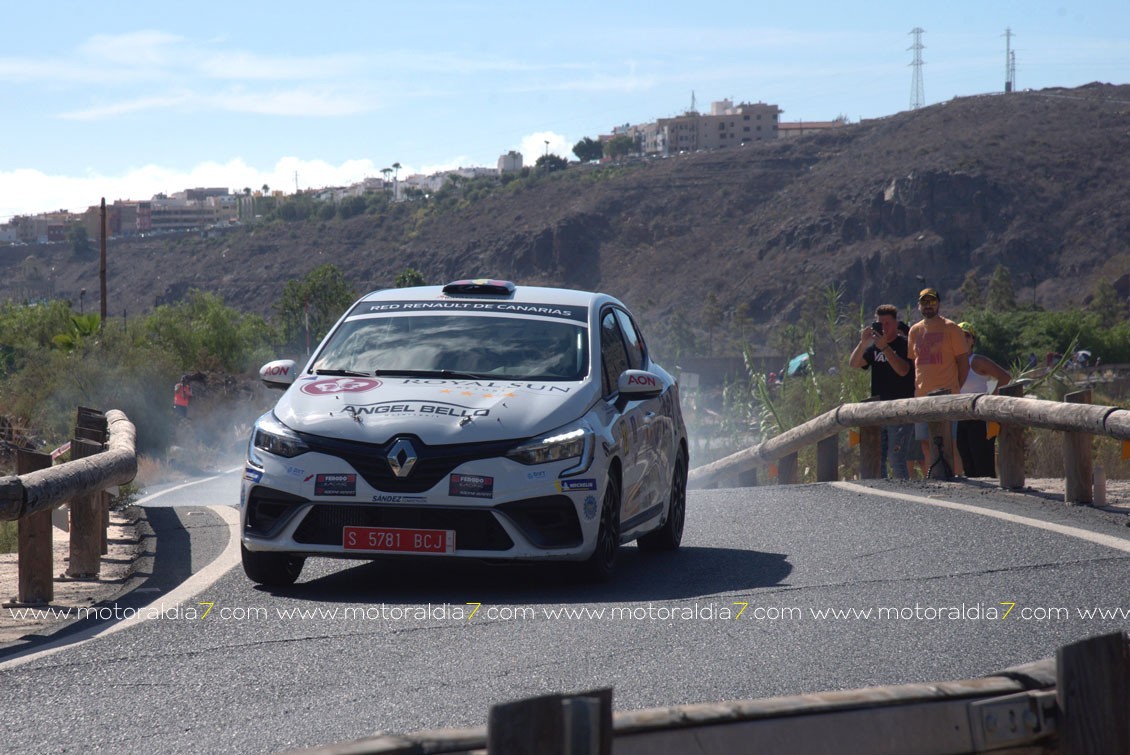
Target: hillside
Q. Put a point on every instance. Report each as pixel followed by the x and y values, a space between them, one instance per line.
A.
pixel 1036 181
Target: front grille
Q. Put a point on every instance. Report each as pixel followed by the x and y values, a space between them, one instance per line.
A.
pixel 548 522
pixel 475 529
pixel 269 510
pixel 432 465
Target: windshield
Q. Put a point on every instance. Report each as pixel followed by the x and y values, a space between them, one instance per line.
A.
pixel 502 347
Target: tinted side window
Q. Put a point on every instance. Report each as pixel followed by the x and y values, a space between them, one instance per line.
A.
pixel 632 340
pixel 613 356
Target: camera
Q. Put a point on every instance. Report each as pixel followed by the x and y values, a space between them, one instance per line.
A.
pixel 877 327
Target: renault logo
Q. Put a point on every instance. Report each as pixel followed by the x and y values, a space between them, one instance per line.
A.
pixel 401 457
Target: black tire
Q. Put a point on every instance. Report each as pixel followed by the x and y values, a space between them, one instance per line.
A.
pixel 670 535
pixel 600 566
pixel 271 569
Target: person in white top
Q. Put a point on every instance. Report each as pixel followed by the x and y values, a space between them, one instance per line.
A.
pixel 977 450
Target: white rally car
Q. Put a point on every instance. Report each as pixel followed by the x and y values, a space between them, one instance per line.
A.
pixel 478 419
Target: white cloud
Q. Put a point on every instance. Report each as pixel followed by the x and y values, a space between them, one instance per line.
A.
pixel 534 146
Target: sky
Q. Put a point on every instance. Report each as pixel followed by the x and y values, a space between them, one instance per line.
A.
pixel 128 99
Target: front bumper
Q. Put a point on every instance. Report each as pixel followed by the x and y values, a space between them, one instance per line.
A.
pixel 497 508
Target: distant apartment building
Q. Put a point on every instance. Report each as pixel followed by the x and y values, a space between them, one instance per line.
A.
pixel 727 125
pixel 802 128
pixel 511 162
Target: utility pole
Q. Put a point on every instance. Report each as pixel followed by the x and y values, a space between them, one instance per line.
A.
pixel 1009 62
pixel 917 95
pixel 102 269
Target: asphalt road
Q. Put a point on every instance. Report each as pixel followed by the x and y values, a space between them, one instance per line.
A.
pixel 358 648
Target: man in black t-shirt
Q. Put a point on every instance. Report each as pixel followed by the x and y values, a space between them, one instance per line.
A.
pixel 882 349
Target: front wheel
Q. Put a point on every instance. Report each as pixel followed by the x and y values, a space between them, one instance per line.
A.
pixel 602 563
pixel 670 535
pixel 271 569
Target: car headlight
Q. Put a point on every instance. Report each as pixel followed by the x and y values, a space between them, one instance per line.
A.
pixel 570 442
pixel 275 438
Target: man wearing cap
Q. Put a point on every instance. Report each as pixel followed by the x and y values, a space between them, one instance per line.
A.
pixel 941 363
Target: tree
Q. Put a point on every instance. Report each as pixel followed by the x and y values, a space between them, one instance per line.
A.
pixel 1000 297
pixel 396 171
pixel 410 277
pixel 307 308
pixel 385 172
pixel 1108 304
pixel 80 242
pixel 266 189
pixel 550 163
pixel 971 291
pixel 619 146
pixel 588 149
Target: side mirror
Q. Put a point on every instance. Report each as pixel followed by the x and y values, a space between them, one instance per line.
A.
pixel 279 373
pixel 639 384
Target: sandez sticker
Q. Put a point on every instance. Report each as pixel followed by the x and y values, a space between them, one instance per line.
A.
pixel 329 386
pixel 388 498
pixel 470 486
pixel 572 486
pixel 335 485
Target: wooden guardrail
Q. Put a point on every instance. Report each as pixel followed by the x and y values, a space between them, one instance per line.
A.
pixel 103 454
pixel 1076 417
pixel 1073 704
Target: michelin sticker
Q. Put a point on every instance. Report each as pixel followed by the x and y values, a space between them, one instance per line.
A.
pixel 572 486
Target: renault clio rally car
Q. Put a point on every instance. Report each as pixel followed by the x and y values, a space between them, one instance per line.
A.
pixel 478 419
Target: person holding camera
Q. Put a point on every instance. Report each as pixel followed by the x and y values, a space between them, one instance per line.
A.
pixel 882 348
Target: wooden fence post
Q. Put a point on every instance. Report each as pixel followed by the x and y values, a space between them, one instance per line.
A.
pixel 786 470
pixel 1010 447
pixel 1078 462
pixel 578 724
pixel 37 543
pixel 86 522
pixel 1093 692
pixel 828 459
pixel 870 452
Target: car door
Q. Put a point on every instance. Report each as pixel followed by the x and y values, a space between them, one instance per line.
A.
pixel 629 424
pixel 656 429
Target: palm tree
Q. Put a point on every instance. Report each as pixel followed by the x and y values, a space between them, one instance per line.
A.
pixel 396 167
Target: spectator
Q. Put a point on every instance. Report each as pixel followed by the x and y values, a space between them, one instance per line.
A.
pixel 937 347
pixel 976 449
pixel 883 351
pixel 182 394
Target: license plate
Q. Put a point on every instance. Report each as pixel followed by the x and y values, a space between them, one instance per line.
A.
pixel 398 540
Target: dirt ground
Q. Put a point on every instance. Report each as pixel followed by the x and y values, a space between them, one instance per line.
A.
pixel 126 547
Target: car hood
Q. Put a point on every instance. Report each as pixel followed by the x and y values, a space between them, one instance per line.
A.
pixel 373 410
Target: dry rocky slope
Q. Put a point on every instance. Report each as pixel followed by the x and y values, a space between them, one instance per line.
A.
pixel 1036 181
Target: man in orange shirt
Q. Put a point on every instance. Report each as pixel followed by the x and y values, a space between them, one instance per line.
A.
pixel 941 364
pixel 938 349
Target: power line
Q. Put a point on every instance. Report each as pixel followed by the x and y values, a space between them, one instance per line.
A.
pixel 917 93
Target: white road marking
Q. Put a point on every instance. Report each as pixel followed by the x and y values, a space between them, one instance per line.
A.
pixel 162 605
pixel 1093 537
pixel 158 494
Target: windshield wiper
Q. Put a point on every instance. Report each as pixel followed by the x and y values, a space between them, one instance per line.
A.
pixel 436 373
pixel 343 373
